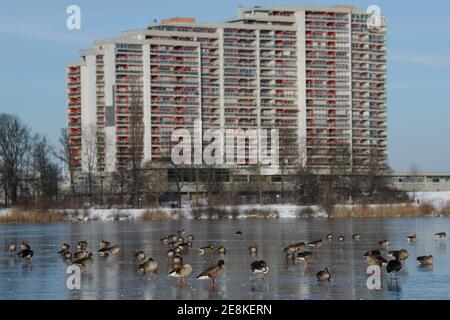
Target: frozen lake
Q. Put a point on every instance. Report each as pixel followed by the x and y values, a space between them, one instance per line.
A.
pixel 117 276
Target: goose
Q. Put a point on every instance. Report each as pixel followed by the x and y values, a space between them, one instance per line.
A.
pixel 149 267
pixel 177 260
pixel 384 243
pixel 140 255
pixel 81 245
pixel 372 253
pixel 114 249
pixel 64 248
pixel 289 257
pixel 222 250
pixel 165 240
pixel 295 247
pixel 206 250
pixel 212 273
pixel 24 246
pixel 323 275
pixel 80 254
pixel 440 235
pixel 399 255
pixel 315 243
pixel 104 244
pixel 181 272
pixel 425 260
pixel 329 236
pixel 170 253
pixel 253 249
pixel 356 236
pixel 67 255
pixel 304 256
pixel 257 267
pixel 85 261
pixel 393 266
pixel 341 238
pixel 376 261
pixel 26 254
pixel 411 238
pixel 12 248
pixel 103 252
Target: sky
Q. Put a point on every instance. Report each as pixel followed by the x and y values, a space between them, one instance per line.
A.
pixel 35 46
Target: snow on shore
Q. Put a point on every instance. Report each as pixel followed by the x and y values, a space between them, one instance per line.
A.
pixel 437 199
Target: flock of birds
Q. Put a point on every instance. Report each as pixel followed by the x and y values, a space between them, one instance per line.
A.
pixel 179 245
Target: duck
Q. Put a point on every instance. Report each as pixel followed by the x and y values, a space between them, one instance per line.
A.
pixel 304 256
pixel 292 248
pixel 12 248
pixel 190 237
pixel 85 261
pixel 315 243
pixel 393 266
pixel 238 233
pixel 181 272
pixel 341 238
pixel 399 255
pixel 440 235
pixel 356 236
pixel 206 250
pixel 212 273
pixel 67 255
pixel 384 243
pixel 425 260
pixel 323 275
pixel 222 250
pixel 411 238
pixel 260 266
pixel 253 249
pixel 149 267
pixel 329 236
pixel 139 255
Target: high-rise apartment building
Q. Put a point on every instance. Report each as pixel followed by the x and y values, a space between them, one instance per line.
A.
pixel 317 74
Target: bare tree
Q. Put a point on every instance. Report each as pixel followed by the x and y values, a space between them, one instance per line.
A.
pixel 66 156
pixel 156 181
pixel 89 157
pixel 414 179
pixel 14 145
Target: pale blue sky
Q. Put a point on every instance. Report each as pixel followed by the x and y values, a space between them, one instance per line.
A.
pixel 35 45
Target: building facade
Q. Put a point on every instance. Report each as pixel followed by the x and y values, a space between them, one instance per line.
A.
pixel 317 74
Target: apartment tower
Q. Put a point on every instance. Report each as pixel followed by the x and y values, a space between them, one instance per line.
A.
pixel 317 74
